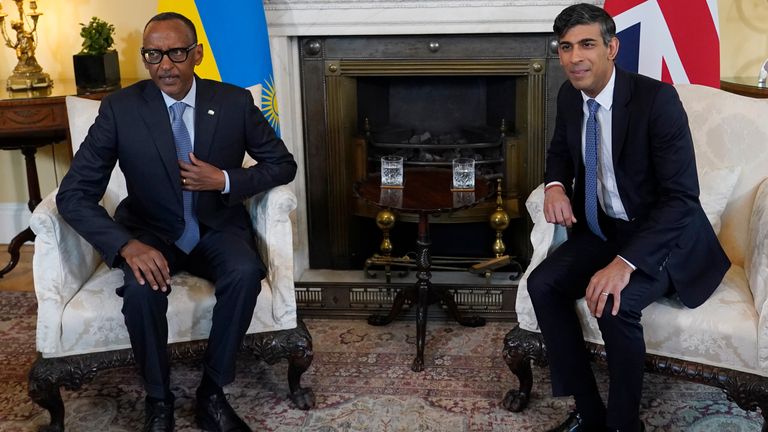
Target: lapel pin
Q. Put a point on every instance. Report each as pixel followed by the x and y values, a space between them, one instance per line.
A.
pixel 211 112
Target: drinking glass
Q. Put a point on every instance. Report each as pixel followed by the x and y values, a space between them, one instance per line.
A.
pixel 392 171
pixel 463 174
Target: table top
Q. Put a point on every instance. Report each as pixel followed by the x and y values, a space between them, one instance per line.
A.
pixel 426 190
pixel 60 88
pixel 745 86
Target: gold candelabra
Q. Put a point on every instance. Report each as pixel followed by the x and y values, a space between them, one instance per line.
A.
pixel 27 74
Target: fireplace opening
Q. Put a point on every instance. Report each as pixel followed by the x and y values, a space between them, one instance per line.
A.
pixel 429 99
pixel 430 121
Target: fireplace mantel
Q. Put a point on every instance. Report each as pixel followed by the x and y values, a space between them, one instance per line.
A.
pixel 290 19
pixel 385 17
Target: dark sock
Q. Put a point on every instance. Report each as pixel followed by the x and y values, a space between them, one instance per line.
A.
pixel 591 409
pixel 208 386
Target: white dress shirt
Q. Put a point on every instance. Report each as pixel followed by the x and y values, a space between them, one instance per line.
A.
pixel 608 190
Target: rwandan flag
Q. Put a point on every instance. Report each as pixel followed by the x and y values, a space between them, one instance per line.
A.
pixel 236 46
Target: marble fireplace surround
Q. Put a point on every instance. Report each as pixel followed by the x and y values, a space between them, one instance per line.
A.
pixel 289 19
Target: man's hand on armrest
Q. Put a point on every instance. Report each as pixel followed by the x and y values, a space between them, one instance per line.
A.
pixel 557 206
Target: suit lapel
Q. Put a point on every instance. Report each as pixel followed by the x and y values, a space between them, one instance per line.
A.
pixel 576 121
pixel 158 124
pixel 622 91
pixel 206 116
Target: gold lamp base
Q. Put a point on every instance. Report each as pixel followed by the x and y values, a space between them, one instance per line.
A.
pixel 28 81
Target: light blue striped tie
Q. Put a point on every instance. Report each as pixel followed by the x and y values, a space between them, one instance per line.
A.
pixel 191 235
pixel 592 141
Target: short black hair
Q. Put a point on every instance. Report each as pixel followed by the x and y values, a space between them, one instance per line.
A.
pixel 585 14
pixel 168 16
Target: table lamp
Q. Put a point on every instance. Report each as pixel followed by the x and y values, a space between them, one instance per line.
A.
pixel 27 74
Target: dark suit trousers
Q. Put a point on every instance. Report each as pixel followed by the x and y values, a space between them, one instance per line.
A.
pixel 232 263
pixel 556 284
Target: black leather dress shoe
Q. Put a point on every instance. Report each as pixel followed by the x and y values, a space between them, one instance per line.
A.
pixel 158 415
pixel 574 423
pixel 214 414
pixel 642 428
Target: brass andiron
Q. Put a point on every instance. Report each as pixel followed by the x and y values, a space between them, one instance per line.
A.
pixel 27 74
pixel 499 221
pixel 385 220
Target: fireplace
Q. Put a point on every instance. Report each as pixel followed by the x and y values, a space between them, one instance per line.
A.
pixel 429 99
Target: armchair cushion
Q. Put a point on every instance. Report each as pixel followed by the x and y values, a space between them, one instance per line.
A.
pixel 757 269
pixel 716 187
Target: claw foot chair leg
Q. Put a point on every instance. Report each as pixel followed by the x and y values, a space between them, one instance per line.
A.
pixel 45 380
pixel 298 363
pixel 295 345
pixel 748 391
pixel 521 347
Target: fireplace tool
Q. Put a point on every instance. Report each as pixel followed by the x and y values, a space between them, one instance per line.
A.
pixel 499 221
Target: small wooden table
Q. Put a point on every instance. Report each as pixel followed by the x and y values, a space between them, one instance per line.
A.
pixel 29 120
pixel 745 86
pixel 427 192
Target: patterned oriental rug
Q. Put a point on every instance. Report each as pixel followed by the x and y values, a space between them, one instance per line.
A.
pixel 362 381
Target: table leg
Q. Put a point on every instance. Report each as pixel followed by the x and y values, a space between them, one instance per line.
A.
pixel 423 284
pixel 33 188
pixel 453 311
pixel 397 308
pixel 33 185
pixel 14 249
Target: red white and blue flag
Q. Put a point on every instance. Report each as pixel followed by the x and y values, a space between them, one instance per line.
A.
pixel 670 40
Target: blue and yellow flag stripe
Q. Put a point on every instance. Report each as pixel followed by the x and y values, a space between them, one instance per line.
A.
pixel 236 46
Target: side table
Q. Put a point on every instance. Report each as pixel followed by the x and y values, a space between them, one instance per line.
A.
pixel 30 120
pixel 745 86
pixel 427 192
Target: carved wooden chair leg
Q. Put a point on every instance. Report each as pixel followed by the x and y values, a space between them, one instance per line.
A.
pixel 295 345
pixel 748 391
pixel 44 390
pixel 520 348
pixel 298 363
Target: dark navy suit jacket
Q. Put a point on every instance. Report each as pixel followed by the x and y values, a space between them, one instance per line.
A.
pixel 133 129
pixel 655 168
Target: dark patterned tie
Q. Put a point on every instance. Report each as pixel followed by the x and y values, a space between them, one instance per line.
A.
pixel 191 234
pixel 592 141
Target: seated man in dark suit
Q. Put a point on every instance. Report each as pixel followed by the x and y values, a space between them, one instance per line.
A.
pixel 621 174
pixel 180 142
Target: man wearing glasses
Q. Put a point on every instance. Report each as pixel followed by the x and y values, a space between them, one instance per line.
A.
pixel 180 142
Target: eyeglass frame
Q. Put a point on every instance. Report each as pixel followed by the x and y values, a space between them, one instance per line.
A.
pixel 164 53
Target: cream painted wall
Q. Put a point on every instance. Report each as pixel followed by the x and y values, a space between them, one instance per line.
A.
pixel 743 35
pixel 58 39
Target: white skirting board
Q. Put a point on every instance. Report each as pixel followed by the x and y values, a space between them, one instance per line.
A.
pixel 14 217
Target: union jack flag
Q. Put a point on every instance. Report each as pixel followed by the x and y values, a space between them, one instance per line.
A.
pixel 671 40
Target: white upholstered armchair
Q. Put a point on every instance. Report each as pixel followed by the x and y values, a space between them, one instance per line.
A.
pixel 724 342
pixel 80 328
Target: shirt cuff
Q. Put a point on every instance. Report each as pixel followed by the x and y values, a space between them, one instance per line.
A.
pixel 634 267
pixel 226 182
pixel 554 183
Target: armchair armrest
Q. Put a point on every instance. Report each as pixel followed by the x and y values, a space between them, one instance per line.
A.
pixel 756 268
pixel 63 261
pixel 270 216
pixel 545 237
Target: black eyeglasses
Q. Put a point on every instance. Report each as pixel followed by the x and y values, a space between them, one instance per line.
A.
pixel 177 55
